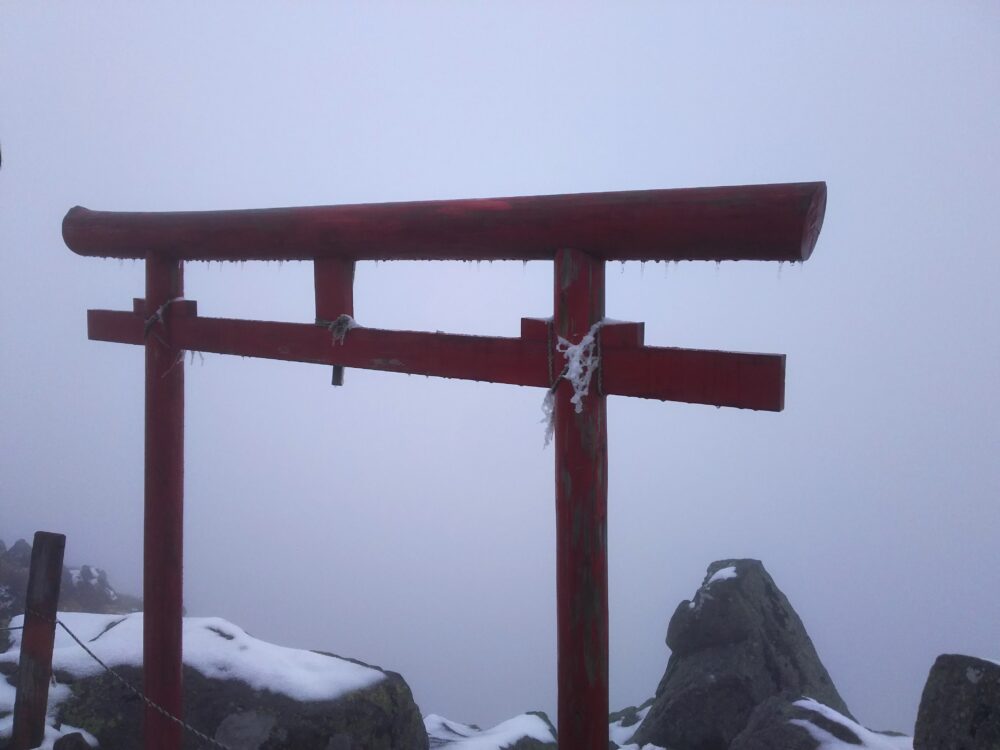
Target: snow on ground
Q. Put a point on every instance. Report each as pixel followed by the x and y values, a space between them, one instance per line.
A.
pixel 869 740
pixel 445 733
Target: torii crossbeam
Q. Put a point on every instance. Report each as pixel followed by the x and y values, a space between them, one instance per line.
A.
pixel 578 232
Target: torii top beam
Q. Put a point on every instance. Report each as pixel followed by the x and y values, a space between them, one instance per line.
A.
pixel 756 222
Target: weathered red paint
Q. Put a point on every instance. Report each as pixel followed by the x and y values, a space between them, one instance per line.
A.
pixel 764 222
pixel 745 381
pixel 756 222
pixel 164 506
pixel 34 669
pixel 581 467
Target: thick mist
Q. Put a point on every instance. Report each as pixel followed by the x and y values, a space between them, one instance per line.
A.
pixel 408 521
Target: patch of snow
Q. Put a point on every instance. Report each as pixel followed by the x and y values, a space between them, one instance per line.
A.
pixel 869 740
pixel 57 694
pixel 7 693
pixel 445 733
pixel 51 733
pixel 723 574
pixel 6 598
pixel 214 647
pixel 973 675
pixel 86 626
pixel 648 746
pixel 620 734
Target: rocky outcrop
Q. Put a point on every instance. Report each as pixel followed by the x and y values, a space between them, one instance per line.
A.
pixel 83 589
pixel 737 643
pixel 960 705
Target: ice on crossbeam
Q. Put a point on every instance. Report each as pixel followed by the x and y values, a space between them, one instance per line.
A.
pixel 581 363
pixel 214 647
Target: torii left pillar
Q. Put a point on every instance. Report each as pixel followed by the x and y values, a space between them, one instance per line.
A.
pixel 163 531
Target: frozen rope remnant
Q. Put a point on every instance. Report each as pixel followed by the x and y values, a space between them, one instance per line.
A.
pixel 341 326
pixel 157 317
pixel 582 360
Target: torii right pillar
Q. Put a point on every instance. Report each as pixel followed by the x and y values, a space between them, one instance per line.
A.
pixel 581 448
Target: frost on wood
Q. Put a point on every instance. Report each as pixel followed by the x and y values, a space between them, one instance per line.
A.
pixel 582 361
pixel 341 326
pixel 157 317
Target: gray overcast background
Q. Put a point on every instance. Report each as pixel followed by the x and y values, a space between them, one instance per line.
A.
pixel 409 521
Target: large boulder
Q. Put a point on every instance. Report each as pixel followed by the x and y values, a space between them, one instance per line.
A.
pixel 734 645
pixel 960 705
pixel 238 690
pixel 381 716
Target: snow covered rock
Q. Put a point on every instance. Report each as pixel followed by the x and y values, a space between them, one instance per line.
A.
pixel 960 705
pixel 806 724
pixel 239 690
pixel 624 723
pixel 735 644
pixel 530 731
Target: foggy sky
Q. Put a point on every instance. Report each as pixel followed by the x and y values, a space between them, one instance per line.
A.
pixel 409 521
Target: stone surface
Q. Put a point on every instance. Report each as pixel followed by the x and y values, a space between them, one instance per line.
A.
pixel 72 741
pixel 736 644
pixel 960 705
pixel 770 727
pixel 381 717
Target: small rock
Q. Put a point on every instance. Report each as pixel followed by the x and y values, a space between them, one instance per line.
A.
pixel 245 730
pixel 72 741
pixel 960 705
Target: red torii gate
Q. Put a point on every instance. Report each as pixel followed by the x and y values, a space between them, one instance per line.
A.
pixel 578 232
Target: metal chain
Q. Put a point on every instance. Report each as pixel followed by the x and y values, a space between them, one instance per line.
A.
pixel 19 627
pixel 130 686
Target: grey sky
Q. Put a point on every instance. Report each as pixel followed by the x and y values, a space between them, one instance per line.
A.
pixel 408 521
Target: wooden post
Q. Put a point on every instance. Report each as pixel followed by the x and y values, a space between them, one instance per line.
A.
pixel 35 667
pixel 164 506
pixel 333 280
pixel 581 453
